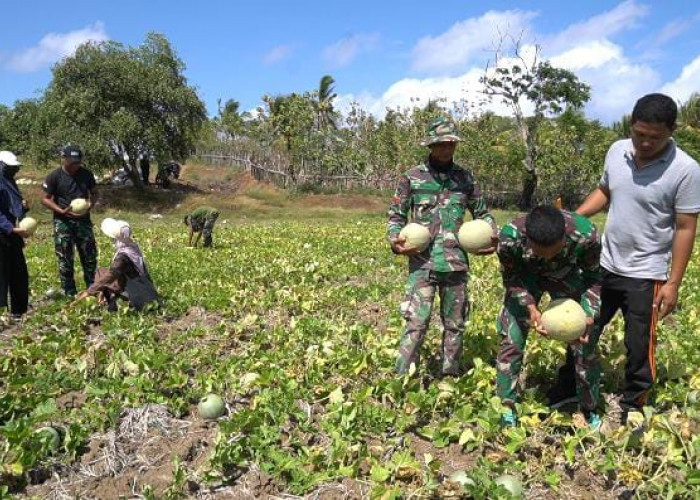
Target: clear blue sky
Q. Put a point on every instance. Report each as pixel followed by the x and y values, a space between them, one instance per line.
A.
pixel 381 53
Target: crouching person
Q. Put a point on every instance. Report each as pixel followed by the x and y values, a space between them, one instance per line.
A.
pixel 554 251
pixel 127 277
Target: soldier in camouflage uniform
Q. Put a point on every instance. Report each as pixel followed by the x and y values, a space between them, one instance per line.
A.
pixel 558 252
pixel 201 221
pixel 68 182
pixel 436 194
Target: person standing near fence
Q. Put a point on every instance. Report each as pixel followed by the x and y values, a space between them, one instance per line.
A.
pixel 437 195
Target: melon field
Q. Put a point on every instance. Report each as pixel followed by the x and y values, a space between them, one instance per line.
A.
pixel 295 324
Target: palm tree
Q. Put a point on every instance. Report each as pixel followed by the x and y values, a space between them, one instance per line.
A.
pixel 325 114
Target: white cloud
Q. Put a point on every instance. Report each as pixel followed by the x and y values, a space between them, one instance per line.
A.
pixel 617 79
pixel 687 83
pixel 623 17
pixel 411 92
pixel 468 40
pixel 278 53
pixel 344 51
pixel 674 29
pixel 589 55
pixel 54 47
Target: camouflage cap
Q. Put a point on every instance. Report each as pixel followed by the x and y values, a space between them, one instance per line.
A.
pixel 441 130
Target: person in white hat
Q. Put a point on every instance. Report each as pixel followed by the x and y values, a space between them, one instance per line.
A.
pixel 127 276
pixel 14 277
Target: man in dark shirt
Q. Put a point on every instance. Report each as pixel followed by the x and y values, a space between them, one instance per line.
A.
pixel 68 182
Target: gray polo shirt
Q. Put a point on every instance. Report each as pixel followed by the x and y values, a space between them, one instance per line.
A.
pixel 643 202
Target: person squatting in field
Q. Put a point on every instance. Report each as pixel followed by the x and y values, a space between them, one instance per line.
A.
pixel 652 189
pixel 14 276
pixel 66 183
pixel 127 276
pixel 554 251
pixel 436 194
pixel 201 222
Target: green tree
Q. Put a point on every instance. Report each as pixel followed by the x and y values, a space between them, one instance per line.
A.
pixel 326 115
pixel 119 102
pixel 292 119
pixel 230 119
pixel 549 90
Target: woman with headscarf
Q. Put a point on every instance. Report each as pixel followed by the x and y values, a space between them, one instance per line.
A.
pixel 127 277
pixel 14 278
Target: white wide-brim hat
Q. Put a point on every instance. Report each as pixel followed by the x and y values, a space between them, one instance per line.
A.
pixel 113 228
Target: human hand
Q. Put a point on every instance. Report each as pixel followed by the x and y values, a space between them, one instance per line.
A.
pixel 398 245
pixel 666 299
pixel 489 250
pixel 20 232
pixel 536 320
pixel 583 339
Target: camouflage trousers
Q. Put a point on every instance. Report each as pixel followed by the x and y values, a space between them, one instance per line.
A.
pixel 513 327
pixel 208 228
pixel 454 307
pixel 78 233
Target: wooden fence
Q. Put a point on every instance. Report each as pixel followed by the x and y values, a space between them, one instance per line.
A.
pixel 276 171
pixel 273 168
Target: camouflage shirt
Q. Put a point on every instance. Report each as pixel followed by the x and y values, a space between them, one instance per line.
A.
pixel 438 201
pixel 578 261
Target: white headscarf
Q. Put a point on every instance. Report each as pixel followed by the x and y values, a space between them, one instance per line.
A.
pixel 128 247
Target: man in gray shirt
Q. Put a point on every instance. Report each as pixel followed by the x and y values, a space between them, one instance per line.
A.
pixel 652 188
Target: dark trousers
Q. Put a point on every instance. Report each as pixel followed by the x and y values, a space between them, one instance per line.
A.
pixel 634 297
pixel 14 277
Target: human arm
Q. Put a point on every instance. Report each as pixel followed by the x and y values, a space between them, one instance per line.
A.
pixel 48 201
pixel 589 264
pixel 683 242
pixel 510 256
pixel 399 209
pixel 595 202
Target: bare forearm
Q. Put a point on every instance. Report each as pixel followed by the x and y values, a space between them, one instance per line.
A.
pixel 683 242
pixel 51 205
pixel 594 203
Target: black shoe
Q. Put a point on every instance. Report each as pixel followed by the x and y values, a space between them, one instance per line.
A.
pixel 561 395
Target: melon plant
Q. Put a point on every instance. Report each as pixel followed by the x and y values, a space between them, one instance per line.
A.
pixel 475 235
pixel 211 407
pixel 417 236
pixel 29 224
pixel 79 206
pixel 50 436
pixel 564 319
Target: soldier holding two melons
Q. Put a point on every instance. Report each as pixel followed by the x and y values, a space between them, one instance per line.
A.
pixel 70 192
pixel 558 252
pixel 435 196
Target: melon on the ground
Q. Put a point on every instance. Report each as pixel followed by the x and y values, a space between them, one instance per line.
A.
pixel 417 236
pixel 475 235
pixel 28 224
pixel 564 319
pixel 512 484
pixel 211 407
pixel 79 206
